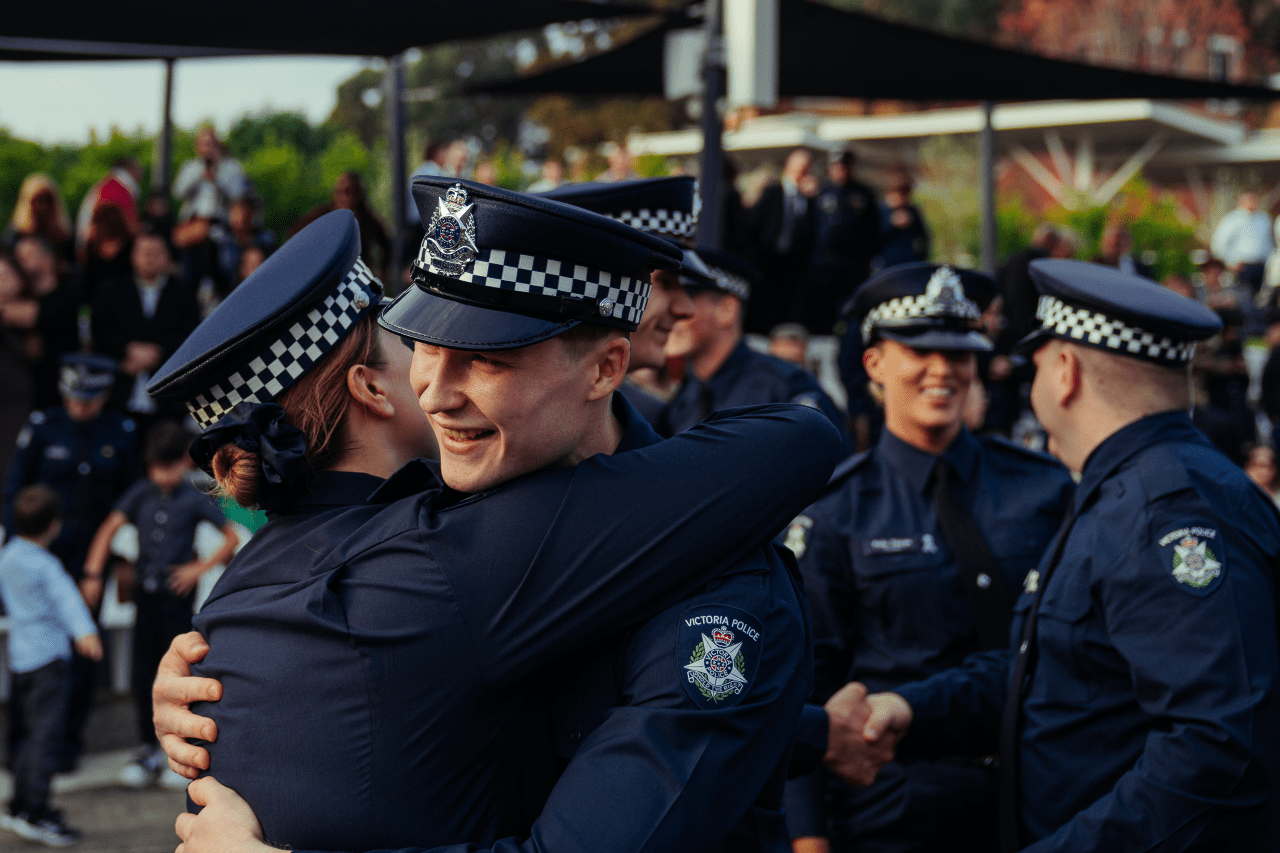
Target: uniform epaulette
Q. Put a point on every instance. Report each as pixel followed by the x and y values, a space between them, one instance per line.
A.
pixel 1163 472
pixel 412 478
pixel 1001 444
pixel 848 467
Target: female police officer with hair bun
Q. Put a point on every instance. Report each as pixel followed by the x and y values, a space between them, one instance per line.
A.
pixel 914 556
pixel 397 648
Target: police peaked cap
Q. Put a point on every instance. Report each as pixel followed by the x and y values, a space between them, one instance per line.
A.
pixel 276 325
pixel 668 207
pixel 85 375
pixel 1120 313
pixel 729 272
pixel 500 269
pixel 925 306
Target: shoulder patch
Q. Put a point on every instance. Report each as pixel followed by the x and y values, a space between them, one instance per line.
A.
pixel 1196 557
pixel 798 535
pixel 717 651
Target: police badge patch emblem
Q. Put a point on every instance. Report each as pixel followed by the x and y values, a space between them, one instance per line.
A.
pixel 718 651
pixel 450 244
pixel 1197 557
pixel 944 296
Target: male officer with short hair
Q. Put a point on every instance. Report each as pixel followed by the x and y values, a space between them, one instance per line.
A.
pixel 721 370
pixel 1136 709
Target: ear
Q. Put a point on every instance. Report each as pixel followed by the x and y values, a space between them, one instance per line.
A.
pixel 611 360
pixel 872 358
pixel 728 311
pixel 1069 371
pixel 366 388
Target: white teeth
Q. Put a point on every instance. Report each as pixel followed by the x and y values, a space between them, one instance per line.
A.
pixel 938 392
pixel 464 434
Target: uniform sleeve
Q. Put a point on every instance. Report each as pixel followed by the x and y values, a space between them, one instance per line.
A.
pixel 72 612
pixel 806 391
pixel 958 711
pixel 822 550
pixel 679 511
pixel 1203 663
pixel 675 768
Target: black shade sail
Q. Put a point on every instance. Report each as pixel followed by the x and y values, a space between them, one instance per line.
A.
pixel 826 52
pixel 142 29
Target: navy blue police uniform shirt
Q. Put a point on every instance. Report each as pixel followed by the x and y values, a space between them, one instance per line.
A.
pixel 677 748
pixel 749 378
pixel 166 528
pixel 88 465
pixel 1148 721
pixel 888 598
pixel 427 621
pixel 645 403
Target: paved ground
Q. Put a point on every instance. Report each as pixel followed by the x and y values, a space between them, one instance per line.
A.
pixel 113 819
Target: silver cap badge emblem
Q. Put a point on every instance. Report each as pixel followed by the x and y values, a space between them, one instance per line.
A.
pixel 450 244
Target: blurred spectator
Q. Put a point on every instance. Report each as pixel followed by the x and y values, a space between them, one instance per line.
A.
pixel 1214 291
pixel 1270 400
pixel 1243 241
pixel 1179 284
pixel 1221 365
pixel 157 214
pixel 1018 294
pixel 207 185
pixel 552 176
pixel 348 194
pixel 86 454
pixel 790 342
pixel 903 235
pixel 51 310
pixel 621 164
pixel 48 618
pixel 486 173
pixel 782 238
pixel 17 350
pixel 846 236
pixel 1260 465
pixel 735 224
pixel 122 187
pixel 251 259
pixel 1115 250
pixel 139 320
pixel 108 243
pixel 40 212
pixel 244 232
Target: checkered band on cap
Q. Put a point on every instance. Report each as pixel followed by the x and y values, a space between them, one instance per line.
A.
pixel 1086 326
pixel 668 223
pixel 275 367
pixel 902 308
pixel 616 296
pixel 731 282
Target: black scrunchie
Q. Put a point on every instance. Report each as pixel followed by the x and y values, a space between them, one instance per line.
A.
pixel 262 429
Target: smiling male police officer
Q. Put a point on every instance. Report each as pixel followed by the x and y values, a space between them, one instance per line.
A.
pixel 702 738
pixel 912 556
pixel 1137 708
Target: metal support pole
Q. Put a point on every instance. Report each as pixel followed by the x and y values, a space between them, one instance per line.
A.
pixel 393 99
pixel 988 169
pixel 162 168
pixel 712 161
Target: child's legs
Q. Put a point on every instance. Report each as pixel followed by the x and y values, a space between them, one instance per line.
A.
pixel 44 694
pixel 160 618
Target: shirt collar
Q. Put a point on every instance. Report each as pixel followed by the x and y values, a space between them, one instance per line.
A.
pixel 916 466
pixel 1124 443
pixel 332 489
pixel 726 375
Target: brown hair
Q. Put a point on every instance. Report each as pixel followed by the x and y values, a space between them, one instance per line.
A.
pixel 317 405
pixel 579 339
pixel 35 509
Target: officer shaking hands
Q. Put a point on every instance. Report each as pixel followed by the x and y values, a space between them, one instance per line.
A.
pixel 1136 708
pixel 913 558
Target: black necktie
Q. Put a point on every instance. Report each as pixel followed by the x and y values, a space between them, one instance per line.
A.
pixel 983 580
pixel 1010 825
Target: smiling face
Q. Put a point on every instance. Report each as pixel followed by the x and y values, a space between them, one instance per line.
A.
pixel 924 391
pixel 498 415
pixel 668 303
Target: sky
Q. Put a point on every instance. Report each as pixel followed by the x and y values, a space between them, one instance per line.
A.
pixel 52 102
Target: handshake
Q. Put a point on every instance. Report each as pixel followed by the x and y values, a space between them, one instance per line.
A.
pixel 863 732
